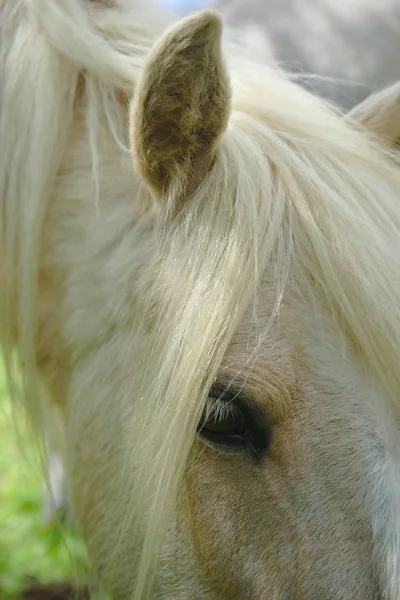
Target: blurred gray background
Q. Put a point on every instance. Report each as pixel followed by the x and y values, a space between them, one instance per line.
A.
pixel 355 43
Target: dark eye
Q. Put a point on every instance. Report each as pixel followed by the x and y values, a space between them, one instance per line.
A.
pixel 229 425
pixel 228 431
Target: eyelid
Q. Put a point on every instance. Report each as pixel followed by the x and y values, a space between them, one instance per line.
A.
pixel 218 409
pixel 223 403
pixel 224 393
pixel 234 398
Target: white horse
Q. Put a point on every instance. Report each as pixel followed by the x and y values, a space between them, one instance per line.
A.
pixel 342 50
pixel 218 319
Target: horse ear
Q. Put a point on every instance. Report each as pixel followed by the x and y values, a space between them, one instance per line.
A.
pixel 181 105
pixel 380 114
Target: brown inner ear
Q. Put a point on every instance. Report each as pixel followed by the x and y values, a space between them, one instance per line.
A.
pixel 181 107
pixel 201 166
pixel 183 120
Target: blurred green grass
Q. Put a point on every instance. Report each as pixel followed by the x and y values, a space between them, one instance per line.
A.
pixel 28 546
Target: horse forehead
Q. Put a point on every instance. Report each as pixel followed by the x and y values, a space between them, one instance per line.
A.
pixel 267 359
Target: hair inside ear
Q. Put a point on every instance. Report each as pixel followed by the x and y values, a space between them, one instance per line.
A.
pixel 181 106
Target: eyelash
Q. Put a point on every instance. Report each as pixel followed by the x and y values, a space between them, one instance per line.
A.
pixel 220 409
pixel 230 425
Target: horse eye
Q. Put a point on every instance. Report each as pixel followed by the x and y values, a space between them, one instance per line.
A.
pixel 228 425
pixel 229 432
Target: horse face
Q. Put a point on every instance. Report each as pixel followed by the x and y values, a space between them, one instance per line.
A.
pixel 286 489
pixel 290 489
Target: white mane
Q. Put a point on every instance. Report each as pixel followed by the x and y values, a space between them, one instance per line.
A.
pixel 294 188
